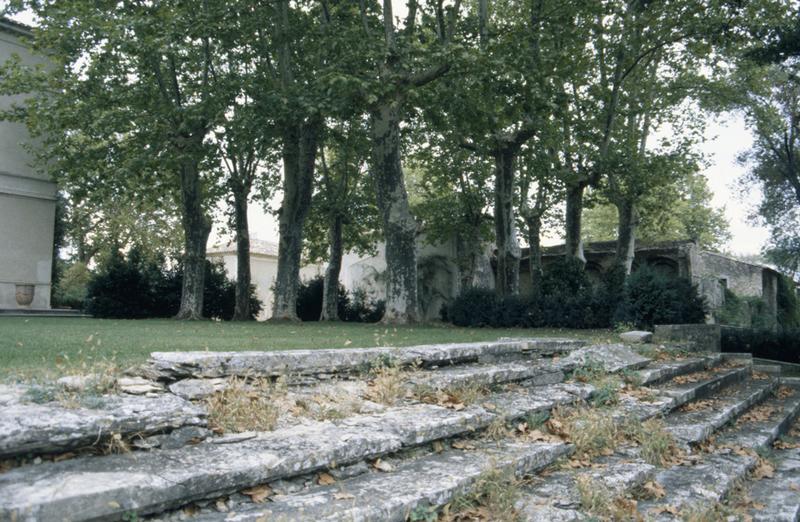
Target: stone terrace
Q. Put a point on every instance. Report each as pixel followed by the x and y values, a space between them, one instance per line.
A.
pixel 571 432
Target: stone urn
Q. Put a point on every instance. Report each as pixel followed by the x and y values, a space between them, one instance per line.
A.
pixel 25 294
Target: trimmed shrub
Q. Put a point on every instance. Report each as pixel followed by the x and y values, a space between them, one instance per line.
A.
pixel 309 299
pixel 361 309
pixel 474 307
pixel 651 298
pixel 354 308
pixel 568 300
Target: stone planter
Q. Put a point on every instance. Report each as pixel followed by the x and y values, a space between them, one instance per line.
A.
pixel 24 295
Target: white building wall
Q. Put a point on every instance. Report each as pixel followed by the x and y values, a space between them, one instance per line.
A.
pixel 27 200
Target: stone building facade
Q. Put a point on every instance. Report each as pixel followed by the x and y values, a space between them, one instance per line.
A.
pixel 27 201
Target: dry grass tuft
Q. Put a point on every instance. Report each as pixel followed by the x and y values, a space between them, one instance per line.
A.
pixel 491 499
pixel 245 405
pixel 599 502
pixel 656 445
pixel 387 385
pixel 592 432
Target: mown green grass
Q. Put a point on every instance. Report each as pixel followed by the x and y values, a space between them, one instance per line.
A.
pixel 48 346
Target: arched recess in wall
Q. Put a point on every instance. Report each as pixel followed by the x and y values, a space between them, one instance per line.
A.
pixel 665 266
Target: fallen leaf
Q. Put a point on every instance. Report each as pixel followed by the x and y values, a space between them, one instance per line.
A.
pixel 348 342
pixel 325 479
pixel 258 494
pixel 382 466
pixel 763 470
pixel 463 445
pixel 340 495
pixel 438 447
pixel 794 487
pixel 654 489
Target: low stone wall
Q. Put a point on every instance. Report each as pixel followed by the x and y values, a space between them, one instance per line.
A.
pixel 698 337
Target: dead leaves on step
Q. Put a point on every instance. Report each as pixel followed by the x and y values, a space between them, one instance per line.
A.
pixel 760 413
pixel 701 405
pixel 258 494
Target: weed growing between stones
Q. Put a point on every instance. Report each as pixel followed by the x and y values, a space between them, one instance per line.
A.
pixel 116 445
pixel 656 444
pixel 491 499
pixel 592 432
pixel 387 385
pixel 328 406
pixel 245 405
pixel 598 501
pixel 455 396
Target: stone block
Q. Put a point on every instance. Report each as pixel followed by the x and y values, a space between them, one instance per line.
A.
pixel 636 336
pixel 698 337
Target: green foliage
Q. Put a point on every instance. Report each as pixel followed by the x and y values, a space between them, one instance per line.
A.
pixel 133 287
pixel 651 298
pixel 355 307
pixel 72 287
pixel 788 303
pixel 680 210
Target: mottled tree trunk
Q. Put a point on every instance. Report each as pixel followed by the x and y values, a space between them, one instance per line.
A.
pixel 241 310
pixel 508 251
pixel 534 224
pixel 330 291
pixel 626 234
pixel 574 214
pixel 399 226
pixel 299 154
pixel 196 228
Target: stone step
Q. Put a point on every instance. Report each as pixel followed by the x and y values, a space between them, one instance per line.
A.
pixel 671 395
pixel 557 497
pixel 777 499
pixel 30 428
pixel 148 482
pixel 695 426
pixel 760 426
pixel 171 366
pixel 658 372
pixel 612 358
pixel 694 488
pixel 414 488
pixel 536 373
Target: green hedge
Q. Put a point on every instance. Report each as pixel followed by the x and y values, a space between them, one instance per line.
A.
pixel 568 300
pixel 132 287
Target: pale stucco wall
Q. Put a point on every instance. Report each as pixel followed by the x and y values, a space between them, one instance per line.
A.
pixel 27 201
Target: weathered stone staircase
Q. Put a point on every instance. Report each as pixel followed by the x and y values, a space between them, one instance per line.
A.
pixel 567 431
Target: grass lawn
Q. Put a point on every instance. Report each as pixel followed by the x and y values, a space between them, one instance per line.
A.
pixel 48 346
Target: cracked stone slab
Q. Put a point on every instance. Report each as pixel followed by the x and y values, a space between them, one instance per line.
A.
pixel 536 373
pixel 556 497
pixel 699 486
pixel 683 393
pixel 148 482
pixel 170 366
pixel 659 371
pixel 762 433
pixel 50 427
pixel 414 486
pixel 696 426
pixel 779 495
pixel 612 358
